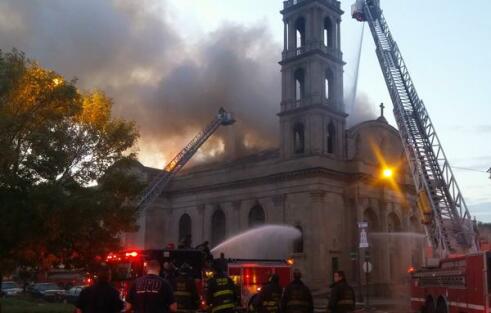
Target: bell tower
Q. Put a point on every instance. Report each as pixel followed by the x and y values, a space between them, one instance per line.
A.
pixel 312 117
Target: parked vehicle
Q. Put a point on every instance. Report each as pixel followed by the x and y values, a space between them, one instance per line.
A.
pixel 48 291
pixel 10 288
pixel 71 296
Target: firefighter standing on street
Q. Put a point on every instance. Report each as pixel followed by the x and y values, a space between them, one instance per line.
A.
pixel 342 298
pixel 101 297
pixel 297 297
pixel 268 299
pixel 151 293
pixel 222 294
pixel 185 291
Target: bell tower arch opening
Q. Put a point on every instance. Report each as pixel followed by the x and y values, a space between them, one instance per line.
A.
pixel 328 33
pixel 300 32
pixel 312 80
pixel 299 77
pixel 299 138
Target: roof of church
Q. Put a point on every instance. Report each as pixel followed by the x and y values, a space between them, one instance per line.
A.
pixel 380 122
pixel 254 157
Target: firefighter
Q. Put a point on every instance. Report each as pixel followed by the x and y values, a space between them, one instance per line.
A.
pixel 222 294
pixel 297 297
pixel 100 297
pixel 185 291
pixel 151 293
pixel 268 298
pixel 169 273
pixel 342 299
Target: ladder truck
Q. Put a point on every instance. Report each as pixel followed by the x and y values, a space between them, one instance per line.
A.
pixel 460 280
pixel 158 184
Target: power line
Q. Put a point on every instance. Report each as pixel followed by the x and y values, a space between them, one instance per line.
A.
pixel 471 169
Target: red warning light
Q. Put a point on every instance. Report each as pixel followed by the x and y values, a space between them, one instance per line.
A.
pixel 411 269
pixel 132 254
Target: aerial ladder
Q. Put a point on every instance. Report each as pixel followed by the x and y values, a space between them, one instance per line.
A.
pixel 161 180
pixel 447 220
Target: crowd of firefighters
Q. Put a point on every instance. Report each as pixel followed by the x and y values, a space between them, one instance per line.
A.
pixel 166 290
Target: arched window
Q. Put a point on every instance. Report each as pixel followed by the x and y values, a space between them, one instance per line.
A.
pixel 299 138
pixel 298 244
pixel 299 76
pixel 328 33
pixel 393 223
pixel 371 217
pixel 217 227
pixel 300 32
pixel 328 85
pixel 256 216
pixel 331 138
pixel 185 229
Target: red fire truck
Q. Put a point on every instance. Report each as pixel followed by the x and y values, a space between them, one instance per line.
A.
pixel 457 285
pixel 251 275
pixel 128 265
pixel 248 275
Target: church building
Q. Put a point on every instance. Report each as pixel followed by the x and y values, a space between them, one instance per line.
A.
pixel 323 179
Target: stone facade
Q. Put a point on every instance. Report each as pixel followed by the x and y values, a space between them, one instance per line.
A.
pixel 323 178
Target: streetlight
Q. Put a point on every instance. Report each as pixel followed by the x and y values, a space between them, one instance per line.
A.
pixel 387 173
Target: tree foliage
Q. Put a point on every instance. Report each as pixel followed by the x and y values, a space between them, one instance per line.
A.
pixel 56 142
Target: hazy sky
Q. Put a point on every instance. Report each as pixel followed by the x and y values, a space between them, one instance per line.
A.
pixel 144 51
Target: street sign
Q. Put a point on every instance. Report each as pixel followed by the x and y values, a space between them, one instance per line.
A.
pixel 367 267
pixel 363 238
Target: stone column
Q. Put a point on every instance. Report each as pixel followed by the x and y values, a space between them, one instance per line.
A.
pixel 292 34
pixel 316 252
pixel 236 205
pixel 202 218
pixel 279 207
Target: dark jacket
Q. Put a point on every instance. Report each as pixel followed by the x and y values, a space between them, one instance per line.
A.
pixel 186 294
pixel 221 295
pixel 297 298
pixel 100 298
pixel 268 299
pixel 342 298
pixel 150 294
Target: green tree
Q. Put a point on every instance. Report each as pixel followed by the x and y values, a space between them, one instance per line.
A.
pixel 62 198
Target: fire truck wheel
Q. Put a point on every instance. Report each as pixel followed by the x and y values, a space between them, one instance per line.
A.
pixel 429 306
pixel 441 306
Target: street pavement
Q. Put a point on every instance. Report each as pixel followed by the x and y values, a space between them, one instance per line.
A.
pixel 377 305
